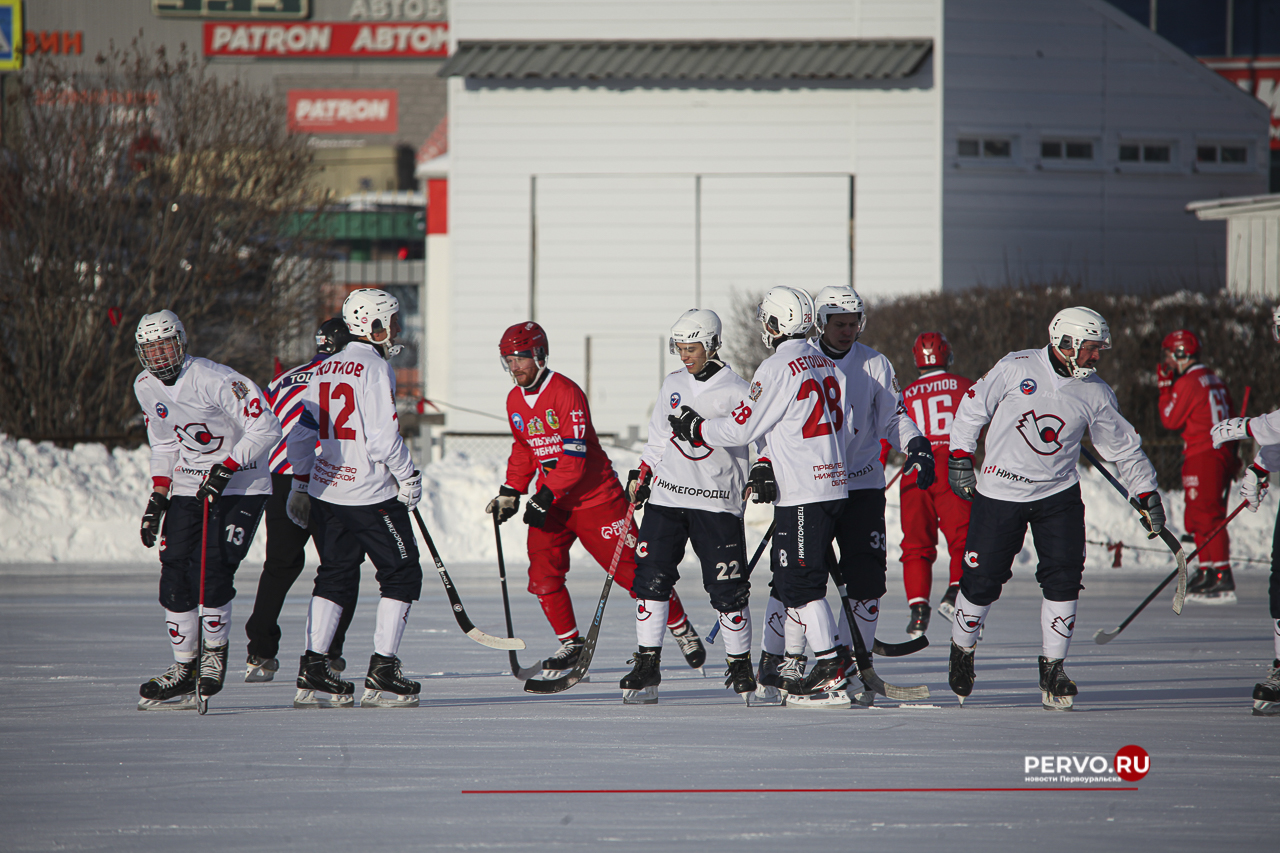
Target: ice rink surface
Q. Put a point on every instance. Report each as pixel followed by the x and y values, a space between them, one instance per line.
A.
pixel 84 770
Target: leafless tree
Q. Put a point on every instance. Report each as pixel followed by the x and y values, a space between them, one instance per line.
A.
pixel 136 183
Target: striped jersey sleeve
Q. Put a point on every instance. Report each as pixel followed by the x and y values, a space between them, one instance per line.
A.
pixel 284 395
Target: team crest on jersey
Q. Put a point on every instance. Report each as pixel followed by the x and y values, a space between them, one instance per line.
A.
pixel 1028 386
pixel 517 421
pixel 552 421
pixel 1041 432
pixel 897 389
pixel 239 389
pixel 198 438
pixel 688 451
pixel 161 410
pixel 755 391
pixel 535 427
pixel 675 399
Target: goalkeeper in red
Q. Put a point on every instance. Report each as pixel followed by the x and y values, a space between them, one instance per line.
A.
pixel 577 496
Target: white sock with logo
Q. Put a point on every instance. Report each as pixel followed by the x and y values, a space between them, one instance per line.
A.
pixel 968 619
pixel 773 640
pixel 217 625
pixel 793 633
pixel 1057 624
pixel 818 623
pixel 651 621
pixel 735 627
pixel 182 633
pixel 866 612
pixel 393 616
pixel 322 623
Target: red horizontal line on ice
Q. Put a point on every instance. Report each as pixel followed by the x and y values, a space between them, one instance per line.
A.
pixel 794 790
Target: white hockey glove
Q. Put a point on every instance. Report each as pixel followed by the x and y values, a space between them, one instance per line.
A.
pixel 411 490
pixel 505 504
pixel 1152 512
pixel 920 460
pixel 960 476
pixel 298 507
pixel 1254 489
pixel 1232 429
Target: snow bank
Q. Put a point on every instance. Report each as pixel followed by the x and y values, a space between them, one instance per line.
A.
pixel 83 506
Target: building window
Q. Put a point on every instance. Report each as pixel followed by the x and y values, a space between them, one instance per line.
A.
pixel 987 149
pixel 1145 153
pixel 1057 149
pixel 1227 154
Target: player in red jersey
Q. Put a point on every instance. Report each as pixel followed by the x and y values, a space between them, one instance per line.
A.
pixel 931 402
pixel 1192 400
pixel 578 496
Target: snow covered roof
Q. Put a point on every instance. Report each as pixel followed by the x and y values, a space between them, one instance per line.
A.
pixel 791 60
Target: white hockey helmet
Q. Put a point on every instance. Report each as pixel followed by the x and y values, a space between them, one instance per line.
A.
pixel 1070 328
pixel 369 310
pixel 1275 325
pixel 161 344
pixel 840 299
pixel 784 312
pixel 696 326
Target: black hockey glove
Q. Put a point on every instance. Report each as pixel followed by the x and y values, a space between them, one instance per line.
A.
pixel 216 480
pixel 687 426
pixel 920 459
pixel 762 486
pixel 964 483
pixel 638 485
pixel 505 504
pixel 152 517
pixel 535 514
pixel 1152 511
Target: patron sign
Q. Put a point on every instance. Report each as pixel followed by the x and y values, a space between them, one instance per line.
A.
pixel 343 111
pixel 324 40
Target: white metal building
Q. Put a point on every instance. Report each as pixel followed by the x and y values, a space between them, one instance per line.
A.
pixel 1253 241
pixel 613 164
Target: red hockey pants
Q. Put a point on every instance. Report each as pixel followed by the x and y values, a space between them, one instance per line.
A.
pixel 922 514
pixel 1206 479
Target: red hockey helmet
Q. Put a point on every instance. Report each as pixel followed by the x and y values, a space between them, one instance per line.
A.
pixel 526 340
pixel 1183 343
pixel 932 349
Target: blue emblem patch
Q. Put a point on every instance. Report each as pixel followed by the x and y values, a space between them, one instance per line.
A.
pixel 517 421
pixel 675 399
pixel 1028 386
pixel 161 410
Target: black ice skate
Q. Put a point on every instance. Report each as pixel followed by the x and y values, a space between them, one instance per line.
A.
pixel 768 681
pixel 213 669
pixel 824 687
pixel 947 606
pixel 738 676
pixel 1221 589
pixel 1266 695
pixel 565 657
pixel 960 671
pixel 1057 692
pixel 792 674
pixel 385 687
pixel 258 669
pixel 177 683
pixel 919 622
pixel 690 645
pixel 1203 577
pixel 319 686
pixel 640 685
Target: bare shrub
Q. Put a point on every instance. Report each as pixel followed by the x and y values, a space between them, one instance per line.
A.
pixel 139 183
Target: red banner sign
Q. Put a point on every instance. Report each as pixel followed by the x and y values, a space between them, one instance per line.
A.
pixel 1259 77
pixel 423 40
pixel 343 111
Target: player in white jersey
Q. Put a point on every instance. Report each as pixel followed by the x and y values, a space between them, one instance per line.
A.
pixel 797 404
pixel 210 431
pixel 877 412
pixel 357 490
pixel 1038 402
pixel 1253 488
pixel 694 494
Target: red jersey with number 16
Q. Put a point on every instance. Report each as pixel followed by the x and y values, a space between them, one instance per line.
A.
pixel 556 444
pixel 1196 402
pixel 931 402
